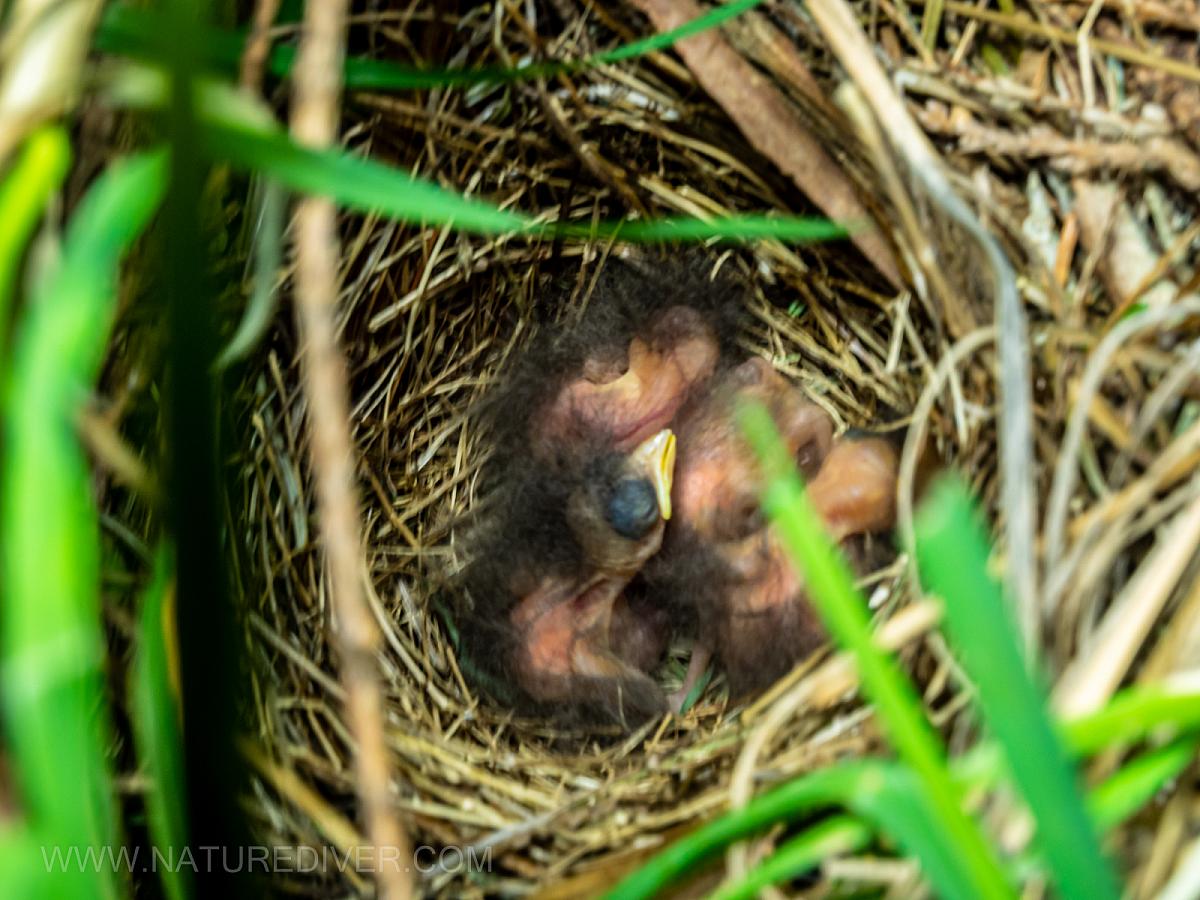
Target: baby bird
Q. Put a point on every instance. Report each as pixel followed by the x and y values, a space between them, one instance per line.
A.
pixel 622 395
pixel 749 603
pixel 717 483
pixel 601 433
pixel 547 623
pixel 577 638
pixel 766 624
pixel 576 495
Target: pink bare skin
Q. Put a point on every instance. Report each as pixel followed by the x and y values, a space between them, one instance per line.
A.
pixel 768 624
pixel 581 641
pixel 631 395
pixel 716 476
pixel 855 491
pixel 566 654
pixel 763 624
pixel 588 634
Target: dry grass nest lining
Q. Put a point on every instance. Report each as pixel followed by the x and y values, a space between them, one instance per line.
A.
pixel 427 319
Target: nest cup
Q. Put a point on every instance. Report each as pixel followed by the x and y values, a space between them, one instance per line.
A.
pixel 549 800
pixel 498 803
pixel 428 319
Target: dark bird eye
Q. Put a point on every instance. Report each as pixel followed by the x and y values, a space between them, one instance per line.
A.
pixel 633 508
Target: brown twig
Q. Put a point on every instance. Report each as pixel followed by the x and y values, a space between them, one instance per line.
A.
pixel 102 437
pixel 1093 677
pixel 1131 268
pixel 258 47
pixel 1185 16
pixel 1063 485
pixel 771 125
pixel 1078 156
pixel 916 238
pixel 315 113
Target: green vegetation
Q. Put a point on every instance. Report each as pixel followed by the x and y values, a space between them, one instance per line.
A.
pixel 916 801
pixel 52 650
pixel 54 706
pixel 55 714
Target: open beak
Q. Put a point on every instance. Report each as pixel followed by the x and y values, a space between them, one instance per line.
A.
pixel 655 457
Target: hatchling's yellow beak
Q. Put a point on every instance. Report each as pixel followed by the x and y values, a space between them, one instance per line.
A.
pixel 655 457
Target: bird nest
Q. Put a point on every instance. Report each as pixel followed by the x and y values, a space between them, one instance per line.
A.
pixel 429 316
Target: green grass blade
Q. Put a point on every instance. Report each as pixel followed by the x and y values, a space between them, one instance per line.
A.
pixel 134 32
pixel 34 177
pixel 268 257
pixel 51 642
pixel 661 41
pixel 983 767
pixel 1137 782
pixel 241 134
pixel 1128 790
pixel 884 794
pixel 835 836
pixel 369 186
pixel 1131 715
pixel 952 553
pixel 156 728
pixel 696 692
pixel 844 611
pixel 355 182
pixel 980 769
pixel 1110 803
pixel 735 228
pixel 21 870
pixel 796 798
pixel 901 810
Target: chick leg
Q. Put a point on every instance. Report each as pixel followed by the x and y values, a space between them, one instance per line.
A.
pixel 563 653
pixel 602 680
pixel 702 653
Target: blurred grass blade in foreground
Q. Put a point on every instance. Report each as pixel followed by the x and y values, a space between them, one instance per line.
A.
pixel 156 716
pixel 844 612
pixel 847 784
pixel 132 31
pixel 952 552
pixel 32 180
pixel 242 133
pixel 370 186
pixel 51 641
pixel 270 201
pixel 882 793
